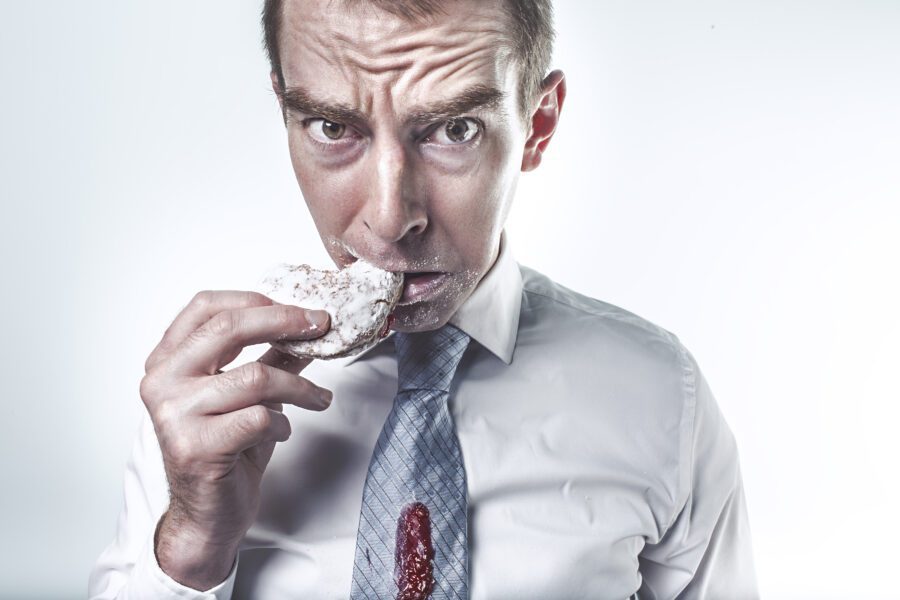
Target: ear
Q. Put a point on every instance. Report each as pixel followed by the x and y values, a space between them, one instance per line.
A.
pixel 276 87
pixel 544 119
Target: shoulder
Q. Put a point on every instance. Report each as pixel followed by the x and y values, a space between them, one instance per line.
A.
pixel 616 356
pixel 575 325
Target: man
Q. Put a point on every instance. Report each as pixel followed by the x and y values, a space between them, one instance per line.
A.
pixel 596 462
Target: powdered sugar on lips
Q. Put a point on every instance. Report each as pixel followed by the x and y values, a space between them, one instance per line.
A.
pixel 418 287
pixel 359 299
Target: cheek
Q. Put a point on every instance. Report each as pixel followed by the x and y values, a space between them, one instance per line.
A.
pixel 332 195
pixel 472 208
pixel 498 172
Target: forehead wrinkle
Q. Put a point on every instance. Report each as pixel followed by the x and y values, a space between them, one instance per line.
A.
pixel 344 75
pixel 390 45
pixel 321 35
pixel 384 59
pixel 478 66
pixel 390 84
pixel 374 60
pixel 441 37
pixel 312 46
pixel 381 45
pixel 459 50
pixel 385 64
pixel 348 69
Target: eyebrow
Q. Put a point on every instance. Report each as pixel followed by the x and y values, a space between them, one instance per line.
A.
pixel 299 100
pixel 477 97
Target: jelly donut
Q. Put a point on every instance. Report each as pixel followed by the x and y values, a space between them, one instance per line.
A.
pixel 359 299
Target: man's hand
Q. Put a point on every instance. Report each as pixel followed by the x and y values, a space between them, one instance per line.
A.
pixel 217 430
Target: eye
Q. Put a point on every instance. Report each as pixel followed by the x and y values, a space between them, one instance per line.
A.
pixel 325 131
pixel 456 132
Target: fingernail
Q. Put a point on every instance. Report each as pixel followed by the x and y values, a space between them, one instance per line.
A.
pixel 325 397
pixel 318 319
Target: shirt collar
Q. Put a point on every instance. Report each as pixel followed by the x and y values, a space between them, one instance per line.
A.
pixel 490 315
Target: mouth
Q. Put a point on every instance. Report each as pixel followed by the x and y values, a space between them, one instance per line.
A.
pixel 417 285
pixel 421 285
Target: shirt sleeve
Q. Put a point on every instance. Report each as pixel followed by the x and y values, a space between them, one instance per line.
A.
pixel 127 569
pixel 706 551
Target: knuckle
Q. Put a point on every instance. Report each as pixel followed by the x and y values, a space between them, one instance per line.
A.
pixel 148 389
pixel 203 298
pixel 254 376
pixel 150 362
pixel 180 449
pixel 224 324
pixel 252 422
pixel 166 417
pixel 258 418
pixel 255 299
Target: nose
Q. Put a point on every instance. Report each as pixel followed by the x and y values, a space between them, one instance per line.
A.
pixel 395 209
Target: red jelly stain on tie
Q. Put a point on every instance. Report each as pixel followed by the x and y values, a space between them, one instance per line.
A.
pixel 387 326
pixel 414 554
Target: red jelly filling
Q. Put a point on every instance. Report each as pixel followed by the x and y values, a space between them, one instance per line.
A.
pixel 414 554
pixel 387 325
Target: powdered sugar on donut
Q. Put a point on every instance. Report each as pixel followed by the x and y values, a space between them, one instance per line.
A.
pixel 359 299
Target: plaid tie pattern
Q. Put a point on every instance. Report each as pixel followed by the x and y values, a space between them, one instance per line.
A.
pixel 416 459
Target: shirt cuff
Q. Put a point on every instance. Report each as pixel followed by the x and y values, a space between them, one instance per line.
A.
pixel 153 582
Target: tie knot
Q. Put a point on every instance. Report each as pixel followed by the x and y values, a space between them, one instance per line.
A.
pixel 428 360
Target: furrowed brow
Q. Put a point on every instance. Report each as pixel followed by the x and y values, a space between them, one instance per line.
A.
pixel 479 97
pixel 299 100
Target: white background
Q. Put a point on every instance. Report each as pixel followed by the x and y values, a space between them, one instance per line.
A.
pixel 728 170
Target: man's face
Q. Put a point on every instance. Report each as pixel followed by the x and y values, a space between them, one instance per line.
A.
pixel 406 142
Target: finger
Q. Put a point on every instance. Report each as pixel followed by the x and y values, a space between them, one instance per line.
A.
pixel 260 454
pixel 248 427
pixel 284 361
pixel 218 341
pixel 254 383
pixel 202 307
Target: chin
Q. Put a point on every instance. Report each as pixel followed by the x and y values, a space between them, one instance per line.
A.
pixel 421 316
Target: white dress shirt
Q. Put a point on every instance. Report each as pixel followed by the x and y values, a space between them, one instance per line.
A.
pixel 597 460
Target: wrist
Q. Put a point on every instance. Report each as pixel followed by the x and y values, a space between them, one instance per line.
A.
pixel 191 558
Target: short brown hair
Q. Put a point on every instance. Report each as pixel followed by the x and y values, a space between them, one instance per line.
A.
pixel 531 29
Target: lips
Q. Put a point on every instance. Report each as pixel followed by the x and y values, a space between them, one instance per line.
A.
pixel 418 286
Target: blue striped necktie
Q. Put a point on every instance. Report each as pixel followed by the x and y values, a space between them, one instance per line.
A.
pixel 416 485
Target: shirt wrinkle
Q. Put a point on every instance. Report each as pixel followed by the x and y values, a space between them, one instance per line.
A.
pixel 612 312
